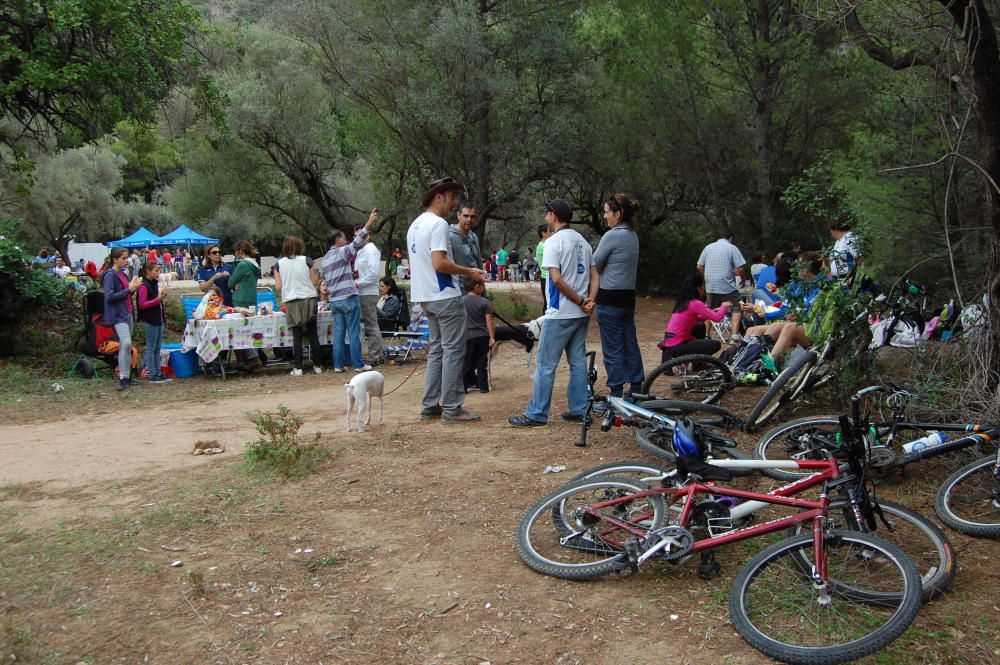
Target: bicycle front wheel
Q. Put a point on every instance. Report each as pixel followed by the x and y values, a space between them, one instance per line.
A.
pixel 799 439
pixel 919 538
pixel 969 500
pixel 779 609
pixel 563 536
pixel 781 390
pixel 695 378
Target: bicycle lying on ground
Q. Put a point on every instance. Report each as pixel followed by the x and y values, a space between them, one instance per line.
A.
pixel 968 501
pixel 917 536
pixel 823 596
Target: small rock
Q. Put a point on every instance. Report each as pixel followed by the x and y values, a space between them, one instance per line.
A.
pixel 176 564
pixel 278 613
pixel 674 617
pixel 555 468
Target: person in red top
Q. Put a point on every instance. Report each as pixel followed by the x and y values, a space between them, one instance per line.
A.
pixel 167 258
pixel 152 256
pixel 685 333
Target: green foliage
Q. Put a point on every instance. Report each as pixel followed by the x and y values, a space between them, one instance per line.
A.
pixel 21 289
pixel 151 160
pixel 87 65
pixel 280 448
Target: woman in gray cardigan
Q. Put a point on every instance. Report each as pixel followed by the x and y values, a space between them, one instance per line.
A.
pixel 617 258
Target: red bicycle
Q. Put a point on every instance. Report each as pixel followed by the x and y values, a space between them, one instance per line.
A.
pixel 826 596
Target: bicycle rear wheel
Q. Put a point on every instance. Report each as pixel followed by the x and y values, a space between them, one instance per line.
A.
pixel 919 538
pixel 558 536
pixel 779 610
pixel 658 442
pixel 799 439
pixel 780 391
pixel 969 500
pixel 696 378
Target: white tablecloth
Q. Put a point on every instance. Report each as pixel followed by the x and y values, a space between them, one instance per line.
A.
pixel 210 338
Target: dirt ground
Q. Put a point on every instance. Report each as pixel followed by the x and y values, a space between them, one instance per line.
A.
pixel 400 549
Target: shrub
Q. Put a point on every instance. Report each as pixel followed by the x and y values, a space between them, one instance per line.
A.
pixel 22 290
pixel 280 448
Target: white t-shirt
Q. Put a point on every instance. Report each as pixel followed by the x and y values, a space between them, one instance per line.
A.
pixel 845 255
pixel 61 272
pixel 570 253
pixel 367 263
pixel 429 233
pixel 296 282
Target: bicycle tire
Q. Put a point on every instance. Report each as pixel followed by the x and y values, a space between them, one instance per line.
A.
pixel 658 444
pixel 708 379
pixel 641 471
pixel 968 500
pixel 794 441
pixel 849 555
pixel 919 538
pixel 779 391
pixel 545 543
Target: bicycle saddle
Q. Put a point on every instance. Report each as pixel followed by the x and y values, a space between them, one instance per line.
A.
pixel 687 465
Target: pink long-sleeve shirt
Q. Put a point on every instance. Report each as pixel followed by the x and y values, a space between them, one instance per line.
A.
pixel 681 323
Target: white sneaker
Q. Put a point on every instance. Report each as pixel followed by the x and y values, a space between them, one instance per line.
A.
pixel 338 370
pixel 317 369
pixel 363 368
pixel 296 372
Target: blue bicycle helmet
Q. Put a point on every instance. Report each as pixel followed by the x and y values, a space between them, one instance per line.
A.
pixel 685 440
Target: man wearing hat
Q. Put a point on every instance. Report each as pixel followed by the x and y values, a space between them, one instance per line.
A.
pixel 433 286
pixel 573 283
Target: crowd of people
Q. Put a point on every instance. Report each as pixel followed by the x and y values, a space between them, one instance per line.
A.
pixel 448 277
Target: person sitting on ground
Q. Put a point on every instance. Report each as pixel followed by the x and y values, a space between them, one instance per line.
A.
pixel 480 337
pixel 389 304
pixel 798 297
pixel 686 332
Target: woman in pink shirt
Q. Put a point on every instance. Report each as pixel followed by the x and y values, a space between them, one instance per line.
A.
pixel 685 333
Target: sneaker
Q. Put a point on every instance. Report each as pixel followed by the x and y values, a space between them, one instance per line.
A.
pixel 317 369
pixel 431 413
pixel 338 370
pixel 600 407
pixel 736 338
pixel 123 384
pixel 525 421
pixel 159 379
pixel 375 362
pixel 295 372
pixel 572 417
pixel 132 382
pixel 462 417
pixel 472 389
pixel 363 368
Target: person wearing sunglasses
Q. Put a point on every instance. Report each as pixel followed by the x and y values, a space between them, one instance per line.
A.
pixel 213 272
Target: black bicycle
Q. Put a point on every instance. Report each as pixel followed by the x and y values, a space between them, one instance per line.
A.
pixel 968 501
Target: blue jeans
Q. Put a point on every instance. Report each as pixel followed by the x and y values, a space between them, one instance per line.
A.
pixel 560 335
pixel 154 340
pixel 622 359
pixel 346 325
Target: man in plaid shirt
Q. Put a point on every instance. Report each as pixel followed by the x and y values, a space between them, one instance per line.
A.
pixel 722 265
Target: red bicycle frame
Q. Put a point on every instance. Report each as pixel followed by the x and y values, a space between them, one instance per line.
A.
pixel 816 511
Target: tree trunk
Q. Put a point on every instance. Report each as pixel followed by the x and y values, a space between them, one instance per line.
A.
pixel 767 68
pixel 974 19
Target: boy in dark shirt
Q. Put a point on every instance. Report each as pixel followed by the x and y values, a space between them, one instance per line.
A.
pixel 479 338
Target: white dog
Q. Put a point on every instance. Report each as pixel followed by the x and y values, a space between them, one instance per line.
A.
pixel 360 391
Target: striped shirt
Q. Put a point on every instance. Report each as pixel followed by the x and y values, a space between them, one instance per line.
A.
pixel 335 266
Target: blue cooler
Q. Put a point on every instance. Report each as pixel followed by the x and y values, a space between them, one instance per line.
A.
pixel 184 363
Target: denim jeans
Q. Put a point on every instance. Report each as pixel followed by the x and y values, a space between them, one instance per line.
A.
pixel 622 359
pixel 154 340
pixel 346 324
pixel 559 335
pixel 124 332
pixel 445 355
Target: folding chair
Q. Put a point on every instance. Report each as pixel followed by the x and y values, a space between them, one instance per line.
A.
pixel 411 341
pixel 191 302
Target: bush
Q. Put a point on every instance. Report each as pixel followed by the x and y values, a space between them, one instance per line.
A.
pixel 22 290
pixel 280 448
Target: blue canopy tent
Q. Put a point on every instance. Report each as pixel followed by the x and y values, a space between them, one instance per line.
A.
pixel 141 238
pixel 182 235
